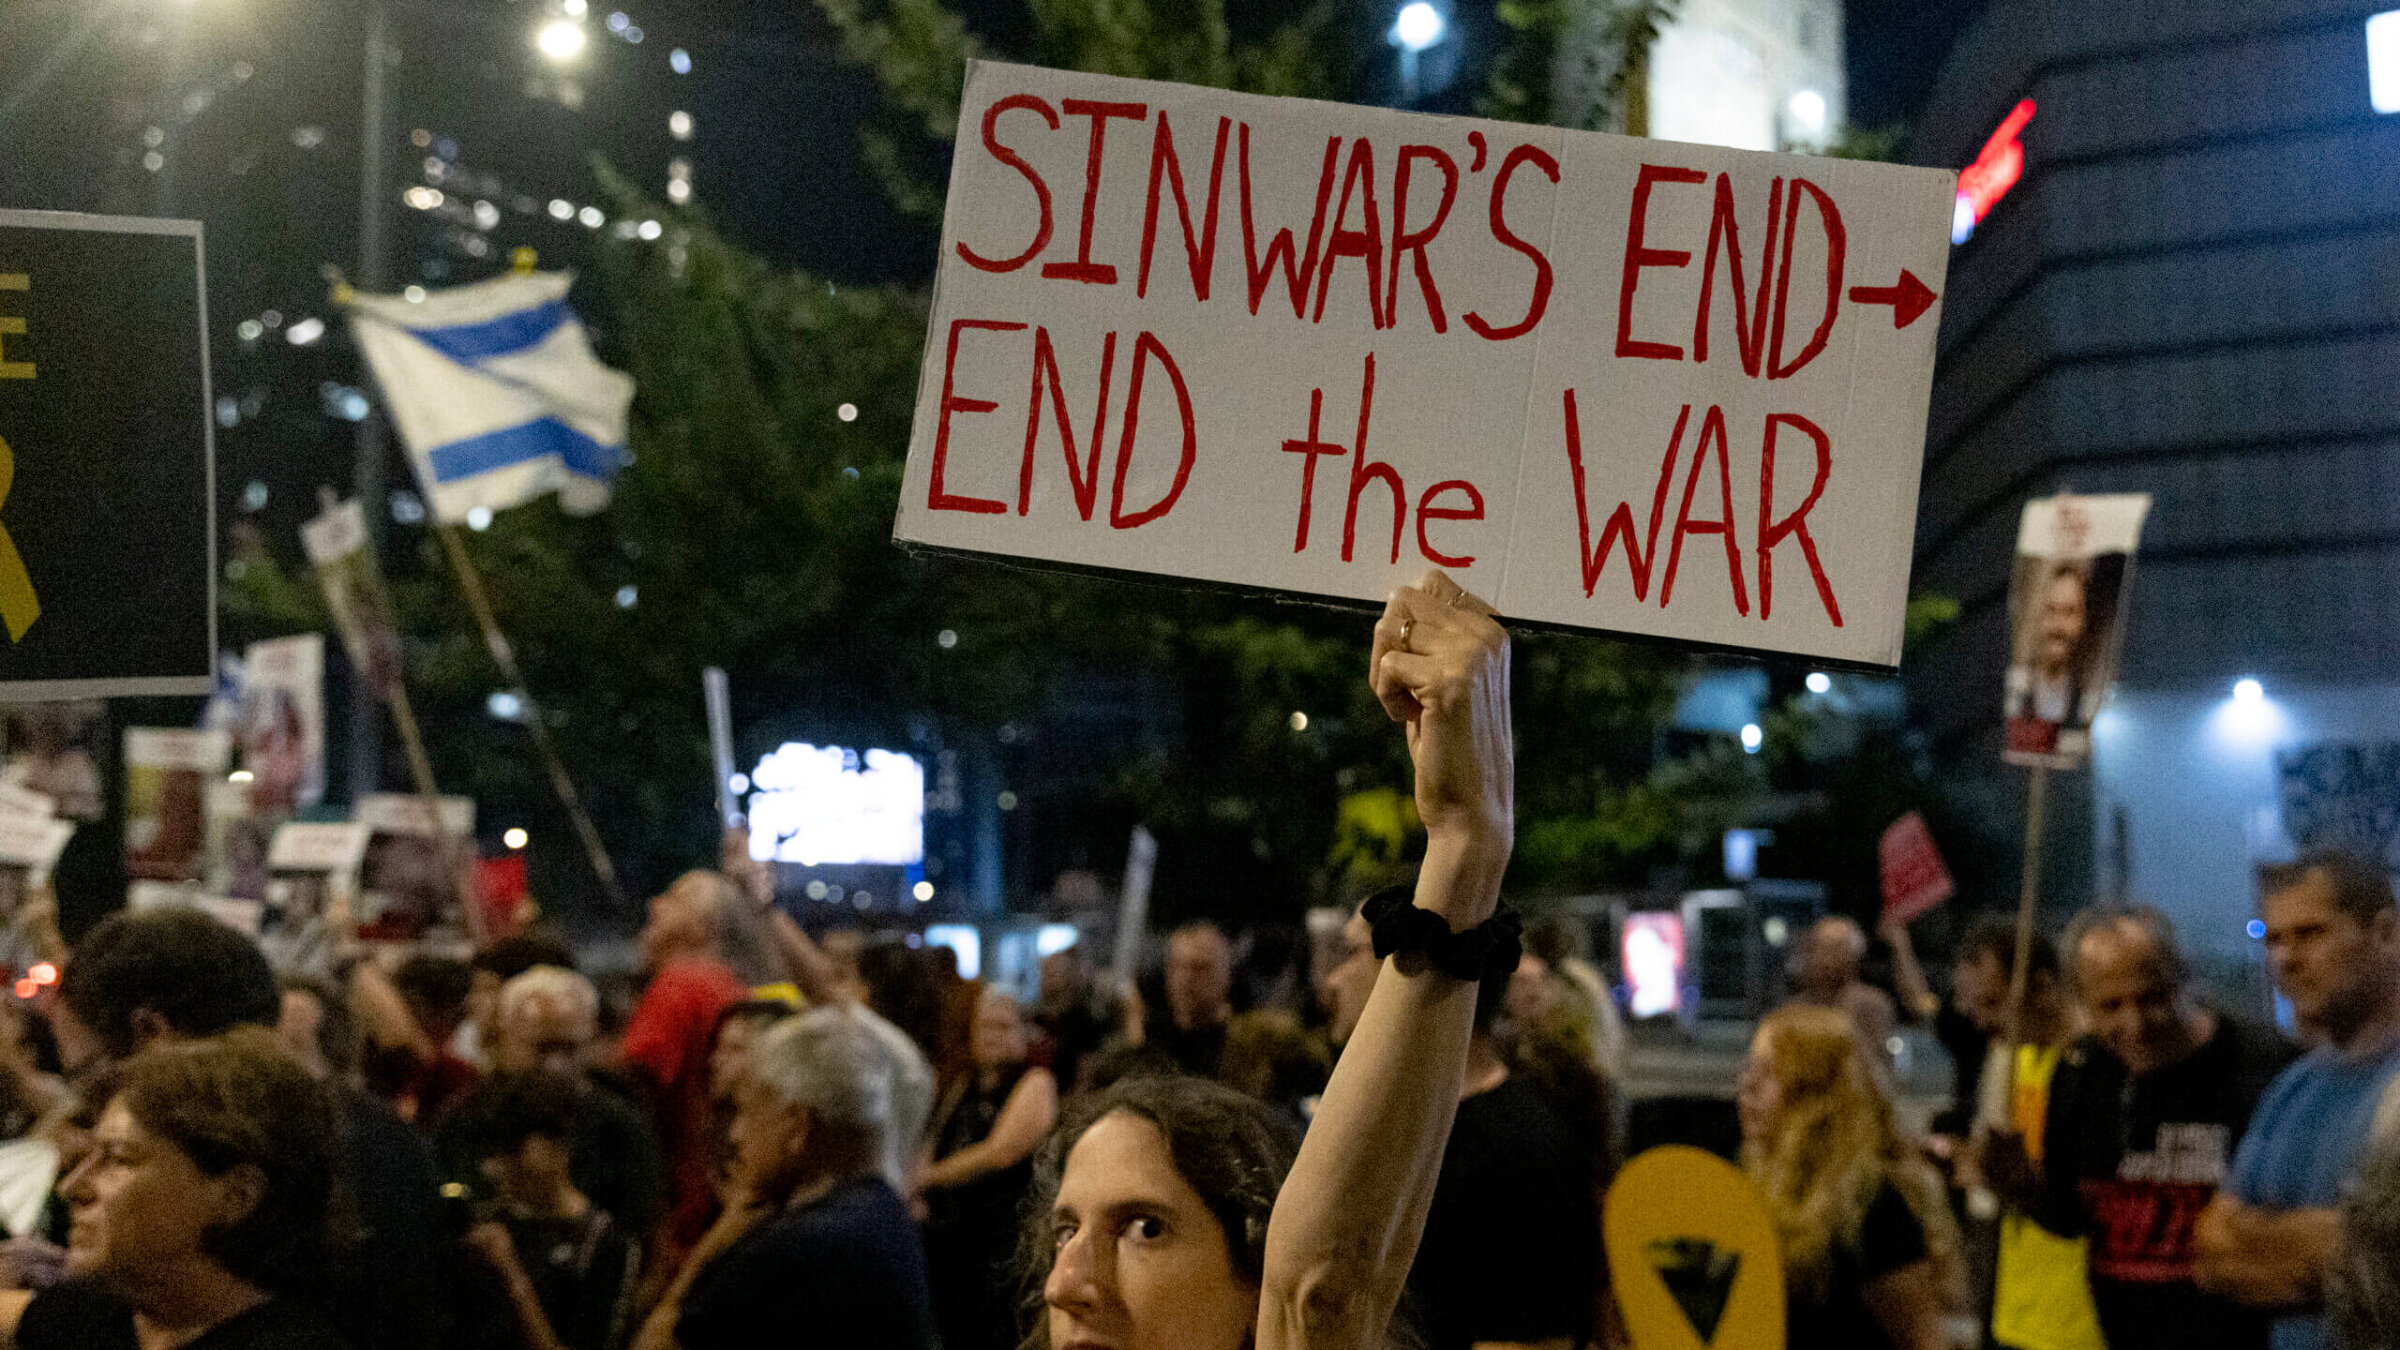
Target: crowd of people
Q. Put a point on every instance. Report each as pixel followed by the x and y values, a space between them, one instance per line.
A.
pixel 1402 1138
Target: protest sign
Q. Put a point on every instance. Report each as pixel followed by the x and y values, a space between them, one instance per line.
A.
pixel 283 723
pixel 167 776
pixel 2066 608
pixel 336 544
pixel 302 846
pixel 1693 1255
pixel 1914 877
pixel 1310 348
pixel 107 473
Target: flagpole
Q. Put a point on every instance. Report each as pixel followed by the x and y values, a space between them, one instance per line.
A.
pixel 504 656
pixel 394 694
pixel 366 732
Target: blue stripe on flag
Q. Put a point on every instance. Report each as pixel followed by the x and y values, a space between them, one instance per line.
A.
pixel 467 343
pixel 515 445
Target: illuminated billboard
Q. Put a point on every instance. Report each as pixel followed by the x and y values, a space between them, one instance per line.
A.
pixel 817 805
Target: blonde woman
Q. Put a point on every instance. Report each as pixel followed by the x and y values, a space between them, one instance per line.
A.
pixel 1871 1257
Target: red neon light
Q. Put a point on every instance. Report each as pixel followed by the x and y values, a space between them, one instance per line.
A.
pixel 1983 183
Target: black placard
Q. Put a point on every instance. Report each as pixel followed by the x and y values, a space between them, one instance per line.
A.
pixel 110 497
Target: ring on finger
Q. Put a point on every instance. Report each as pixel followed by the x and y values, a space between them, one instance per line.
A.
pixel 1405 626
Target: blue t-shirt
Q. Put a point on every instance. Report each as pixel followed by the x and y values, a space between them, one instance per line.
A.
pixel 2304 1144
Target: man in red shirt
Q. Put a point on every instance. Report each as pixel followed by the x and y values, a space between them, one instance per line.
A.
pixel 700 930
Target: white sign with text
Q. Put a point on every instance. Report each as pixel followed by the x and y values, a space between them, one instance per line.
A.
pixel 1659 389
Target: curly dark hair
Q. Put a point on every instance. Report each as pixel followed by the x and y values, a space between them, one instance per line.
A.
pixel 235 1101
pixel 1235 1151
pixel 198 975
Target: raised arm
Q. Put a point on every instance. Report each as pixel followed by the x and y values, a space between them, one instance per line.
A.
pixel 1346 1225
pixel 806 963
pixel 1917 998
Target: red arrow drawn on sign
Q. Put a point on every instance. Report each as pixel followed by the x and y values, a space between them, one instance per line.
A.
pixel 1908 299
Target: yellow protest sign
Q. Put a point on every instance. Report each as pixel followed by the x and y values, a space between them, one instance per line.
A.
pixel 1692 1254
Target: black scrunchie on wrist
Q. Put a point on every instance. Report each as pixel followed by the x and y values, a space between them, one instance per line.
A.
pixel 1493 947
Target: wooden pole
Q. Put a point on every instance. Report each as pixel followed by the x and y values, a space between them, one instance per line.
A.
pixel 2029 900
pixel 470 581
pixel 420 769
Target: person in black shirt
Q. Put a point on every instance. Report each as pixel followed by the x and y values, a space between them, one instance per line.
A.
pixel 564 1266
pixel 153 978
pixel 1511 1251
pixel 545 1020
pixel 2145 1113
pixel 815 1247
pixel 980 1168
pixel 200 1211
pixel 1871 1258
pixel 1199 998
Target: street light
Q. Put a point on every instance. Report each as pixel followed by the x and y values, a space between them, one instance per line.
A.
pixel 561 40
pixel 1418 27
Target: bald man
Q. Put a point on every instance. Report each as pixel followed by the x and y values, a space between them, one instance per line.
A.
pixel 1825 972
pixel 2144 1116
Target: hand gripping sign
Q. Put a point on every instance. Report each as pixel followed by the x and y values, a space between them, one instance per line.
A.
pixel 1659 389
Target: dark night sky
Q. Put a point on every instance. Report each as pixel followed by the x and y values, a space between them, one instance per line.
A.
pixel 1896 49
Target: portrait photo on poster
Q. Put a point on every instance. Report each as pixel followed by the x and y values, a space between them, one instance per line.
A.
pixel 2067 603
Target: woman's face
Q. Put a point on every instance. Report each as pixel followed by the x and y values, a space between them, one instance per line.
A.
pixel 1141 1263
pixel 1760 1097
pixel 998 1038
pixel 141 1205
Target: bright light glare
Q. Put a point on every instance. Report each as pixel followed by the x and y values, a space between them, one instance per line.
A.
pixel 591 217
pixel 679 125
pixel 1962 219
pixel 1418 27
pixel 305 332
pixel 848 412
pixel 679 61
pixel 1808 112
pixel 814 805
pixel 515 838
pixel 1299 721
pixel 479 518
pixel 240 776
pixel 650 229
pixel 505 706
pixel 1052 938
pixel 2248 691
pixel 962 939
pixel 2383 61
pixel 575 9
pixel 560 40
pixel 1752 738
pixel 561 209
pixel 1819 682
pixel 923 890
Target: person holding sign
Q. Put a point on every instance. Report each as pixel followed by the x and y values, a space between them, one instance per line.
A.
pixel 1165 1207
pixel 1871 1256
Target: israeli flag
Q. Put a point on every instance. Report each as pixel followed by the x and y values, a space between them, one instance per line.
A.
pixel 497 394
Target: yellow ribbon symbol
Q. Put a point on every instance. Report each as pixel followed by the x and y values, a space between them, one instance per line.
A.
pixel 19 606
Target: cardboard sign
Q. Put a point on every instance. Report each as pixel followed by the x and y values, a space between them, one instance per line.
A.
pixel 305 847
pixel 399 813
pixel 336 544
pixel 1692 1254
pixel 283 723
pixel 2066 607
pixel 1914 877
pixel 107 459
pixel 1665 390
